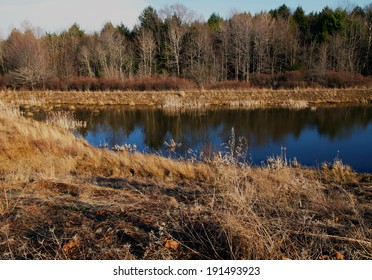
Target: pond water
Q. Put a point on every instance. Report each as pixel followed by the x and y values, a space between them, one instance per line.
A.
pixel 311 136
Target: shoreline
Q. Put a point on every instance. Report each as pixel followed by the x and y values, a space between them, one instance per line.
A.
pixel 193 99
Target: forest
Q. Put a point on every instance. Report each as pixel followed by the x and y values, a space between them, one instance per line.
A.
pixel 174 48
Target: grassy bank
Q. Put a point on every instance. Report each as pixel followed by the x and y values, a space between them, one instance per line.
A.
pixel 61 198
pixel 192 99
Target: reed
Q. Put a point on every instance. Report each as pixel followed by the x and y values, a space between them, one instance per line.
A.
pixel 64 120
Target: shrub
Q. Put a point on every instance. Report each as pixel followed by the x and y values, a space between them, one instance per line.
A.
pixel 336 79
pixel 262 80
pixel 159 83
pixel 81 83
pixel 229 85
pixel 286 80
pixel 104 84
pixel 56 83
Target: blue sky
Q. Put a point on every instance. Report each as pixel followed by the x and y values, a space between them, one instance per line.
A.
pixel 57 15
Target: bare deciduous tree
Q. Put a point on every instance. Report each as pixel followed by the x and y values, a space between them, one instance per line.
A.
pixel 176 34
pixel 177 19
pixel 147 47
pixel 241 30
pixel 26 59
pixel 261 43
pixel 285 45
pixel 111 53
pixel 86 58
pixel 323 59
pixel 179 11
pixel 200 57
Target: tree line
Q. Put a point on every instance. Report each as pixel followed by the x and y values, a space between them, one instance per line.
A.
pixel 173 47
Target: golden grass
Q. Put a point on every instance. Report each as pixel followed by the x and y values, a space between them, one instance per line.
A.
pixel 192 99
pixel 65 120
pixel 60 198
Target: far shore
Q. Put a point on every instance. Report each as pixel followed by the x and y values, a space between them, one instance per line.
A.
pixel 193 99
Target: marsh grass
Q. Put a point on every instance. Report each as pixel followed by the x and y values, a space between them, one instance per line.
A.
pixel 337 172
pixel 175 104
pixel 172 146
pixel 64 120
pixel 9 110
pixel 296 104
pixel 174 101
pixel 278 161
pixel 235 154
pixel 126 147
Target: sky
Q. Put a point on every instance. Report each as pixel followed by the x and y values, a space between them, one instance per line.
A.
pixel 91 15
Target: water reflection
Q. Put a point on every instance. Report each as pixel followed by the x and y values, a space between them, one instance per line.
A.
pixel 311 136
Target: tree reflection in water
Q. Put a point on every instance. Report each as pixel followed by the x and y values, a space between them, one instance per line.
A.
pixel 311 136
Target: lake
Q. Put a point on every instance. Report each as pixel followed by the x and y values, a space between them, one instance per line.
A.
pixel 312 136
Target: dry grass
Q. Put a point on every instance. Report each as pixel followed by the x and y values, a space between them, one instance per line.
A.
pixel 60 198
pixel 9 110
pixel 64 120
pixel 273 214
pixel 191 99
pixel 175 104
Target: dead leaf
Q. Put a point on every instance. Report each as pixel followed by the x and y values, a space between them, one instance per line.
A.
pixel 101 213
pixel 11 241
pixel 72 246
pixel 171 244
pixel 339 256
